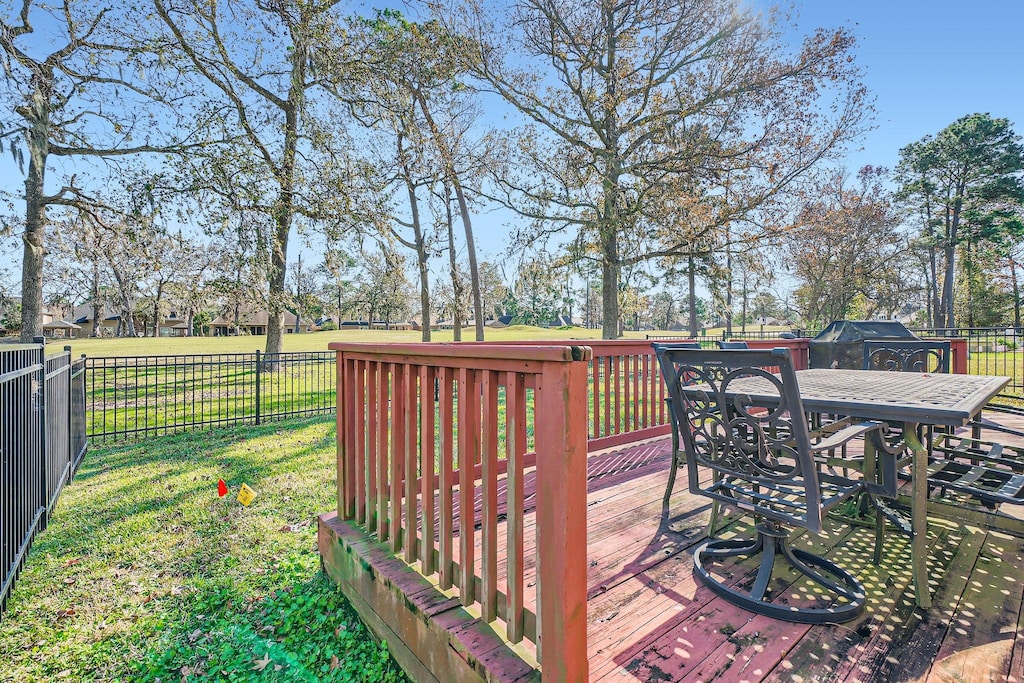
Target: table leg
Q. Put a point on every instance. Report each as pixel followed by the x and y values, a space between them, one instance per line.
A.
pixel 919 515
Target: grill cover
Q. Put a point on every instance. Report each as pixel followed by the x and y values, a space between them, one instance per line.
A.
pixel 841 344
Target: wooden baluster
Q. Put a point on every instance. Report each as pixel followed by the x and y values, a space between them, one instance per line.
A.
pixel 446 523
pixel 619 380
pixel 398 424
pixel 489 502
pixel 645 383
pixel 371 369
pixel 595 389
pixel 427 436
pixel 383 488
pixel 469 455
pixel 411 463
pixel 608 429
pixel 515 448
pixel 358 428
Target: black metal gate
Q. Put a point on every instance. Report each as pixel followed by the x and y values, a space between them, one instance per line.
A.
pixel 42 442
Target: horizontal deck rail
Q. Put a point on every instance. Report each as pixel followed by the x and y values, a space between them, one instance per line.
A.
pixel 425 430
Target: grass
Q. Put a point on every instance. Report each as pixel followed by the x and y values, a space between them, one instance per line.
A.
pixel 145 574
pixel 316 341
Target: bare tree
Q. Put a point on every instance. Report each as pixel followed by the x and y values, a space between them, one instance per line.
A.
pixel 59 102
pixel 638 103
pixel 256 60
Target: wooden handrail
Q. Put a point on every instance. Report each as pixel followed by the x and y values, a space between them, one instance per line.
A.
pixel 425 430
pixel 625 394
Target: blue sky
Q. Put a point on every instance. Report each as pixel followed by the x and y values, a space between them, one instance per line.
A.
pixel 927 63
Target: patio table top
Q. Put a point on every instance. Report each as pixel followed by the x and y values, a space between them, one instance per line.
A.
pixel 937 399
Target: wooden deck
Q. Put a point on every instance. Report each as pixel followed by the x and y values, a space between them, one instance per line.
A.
pixel 649 620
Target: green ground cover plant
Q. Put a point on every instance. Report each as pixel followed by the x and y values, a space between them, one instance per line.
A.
pixel 145 574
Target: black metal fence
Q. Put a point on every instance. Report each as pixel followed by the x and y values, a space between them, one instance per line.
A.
pixel 990 350
pixel 135 396
pixel 42 442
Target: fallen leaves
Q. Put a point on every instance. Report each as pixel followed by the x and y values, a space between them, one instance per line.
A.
pixel 261 664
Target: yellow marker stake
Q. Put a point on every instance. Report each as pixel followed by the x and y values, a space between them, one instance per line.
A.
pixel 245 495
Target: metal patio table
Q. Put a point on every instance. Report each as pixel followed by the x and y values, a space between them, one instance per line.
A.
pixel 909 397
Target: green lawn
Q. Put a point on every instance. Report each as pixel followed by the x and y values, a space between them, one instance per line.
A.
pixel 316 341
pixel 145 574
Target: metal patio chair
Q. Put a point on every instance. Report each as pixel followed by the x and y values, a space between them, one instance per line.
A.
pixel 988 471
pixel 732 345
pixel 901 355
pixel 740 419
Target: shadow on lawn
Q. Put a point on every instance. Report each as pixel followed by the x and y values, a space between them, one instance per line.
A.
pixel 304 632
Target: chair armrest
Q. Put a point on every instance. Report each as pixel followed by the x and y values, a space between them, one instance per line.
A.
pixel 845 435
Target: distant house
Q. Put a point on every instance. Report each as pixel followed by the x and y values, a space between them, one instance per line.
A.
pixel 61 328
pixel 395 325
pixel 109 320
pixel 253 323
pixel 172 325
pixel 177 330
pixel 500 321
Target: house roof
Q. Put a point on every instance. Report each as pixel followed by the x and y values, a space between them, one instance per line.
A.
pixel 83 314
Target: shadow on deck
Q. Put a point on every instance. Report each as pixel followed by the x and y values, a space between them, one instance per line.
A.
pixel 650 620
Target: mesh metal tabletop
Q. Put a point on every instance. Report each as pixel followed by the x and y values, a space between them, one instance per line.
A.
pixel 937 399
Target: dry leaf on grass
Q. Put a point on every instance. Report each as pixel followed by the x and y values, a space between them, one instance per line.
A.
pixel 261 664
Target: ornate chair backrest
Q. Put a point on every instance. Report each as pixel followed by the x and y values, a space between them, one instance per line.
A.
pixel 906 355
pixel 741 420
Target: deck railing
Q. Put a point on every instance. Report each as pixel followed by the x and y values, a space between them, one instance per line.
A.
pixel 425 430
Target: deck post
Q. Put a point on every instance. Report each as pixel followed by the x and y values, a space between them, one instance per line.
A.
pixel 958 346
pixel 561 438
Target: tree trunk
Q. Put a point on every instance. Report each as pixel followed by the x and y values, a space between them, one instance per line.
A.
pixel 285 204
pixel 610 285
pixel 38 136
pixel 156 309
pixel 946 303
pixel 728 284
pixel 744 313
pixel 453 270
pixel 421 261
pixel 691 281
pixel 1016 293
pixel 453 177
pixel 95 301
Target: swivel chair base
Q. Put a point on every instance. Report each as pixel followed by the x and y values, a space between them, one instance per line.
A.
pixel 772 541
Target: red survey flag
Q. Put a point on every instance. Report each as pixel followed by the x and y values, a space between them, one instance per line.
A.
pixel 222 488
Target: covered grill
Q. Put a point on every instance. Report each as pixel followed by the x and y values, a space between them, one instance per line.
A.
pixel 841 344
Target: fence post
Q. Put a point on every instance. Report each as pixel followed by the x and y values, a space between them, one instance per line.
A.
pixel 71 410
pixel 44 475
pixel 258 374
